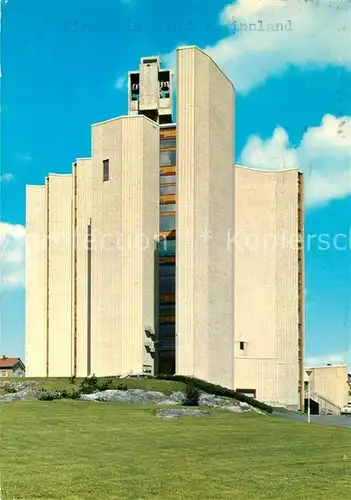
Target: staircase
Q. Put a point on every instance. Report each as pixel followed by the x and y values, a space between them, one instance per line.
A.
pixel 326 406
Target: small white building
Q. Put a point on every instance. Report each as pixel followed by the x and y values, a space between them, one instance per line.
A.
pixel 328 386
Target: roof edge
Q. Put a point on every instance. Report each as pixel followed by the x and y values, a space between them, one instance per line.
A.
pixel 184 47
pixel 269 169
pixel 122 117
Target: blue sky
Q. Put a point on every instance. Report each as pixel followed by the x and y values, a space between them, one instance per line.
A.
pixel 63 68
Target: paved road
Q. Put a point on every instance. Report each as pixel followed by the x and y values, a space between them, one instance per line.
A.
pixel 333 420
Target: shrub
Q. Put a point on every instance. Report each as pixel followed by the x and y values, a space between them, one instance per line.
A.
pixel 104 385
pixel 9 390
pixel 218 390
pixel 92 384
pixel 122 387
pixel 48 396
pixel 72 379
pixel 192 395
pixel 89 385
pixel 74 395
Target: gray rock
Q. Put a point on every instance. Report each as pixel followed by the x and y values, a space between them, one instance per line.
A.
pixel 19 396
pixel 18 386
pixel 26 390
pixel 213 401
pixel 177 397
pixel 181 413
pixel 245 406
pixel 234 409
pixel 130 396
pixel 137 396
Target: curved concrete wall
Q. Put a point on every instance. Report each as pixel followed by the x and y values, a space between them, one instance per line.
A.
pixel 125 223
pixel 59 275
pixel 83 202
pixel 205 186
pixel 266 294
pixel 36 262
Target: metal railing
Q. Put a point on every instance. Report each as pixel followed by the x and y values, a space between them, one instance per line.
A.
pixel 323 401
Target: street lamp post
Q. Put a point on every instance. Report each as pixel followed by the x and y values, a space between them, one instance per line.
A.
pixel 309 396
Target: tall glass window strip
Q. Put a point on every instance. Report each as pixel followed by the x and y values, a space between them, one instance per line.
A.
pixel 165 308
pixel 167 143
pixel 167 247
pixel 168 207
pixel 167 179
pixel 167 344
pixel 167 330
pixel 168 189
pixel 167 270
pixel 167 298
pixel 167 223
pixel 167 284
pixel 167 158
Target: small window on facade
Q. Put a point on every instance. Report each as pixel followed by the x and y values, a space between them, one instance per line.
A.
pixel 248 392
pixel 106 170
pixel 242 346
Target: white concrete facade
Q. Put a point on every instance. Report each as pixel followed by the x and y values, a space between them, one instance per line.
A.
pixel 36 285
pixel 330 382
pixel 91 257
pixel 205 188
pixel 125 225
pixel 266 295
pixel 48 278
pixel 91 260
pixel 59 277
pixel 83 209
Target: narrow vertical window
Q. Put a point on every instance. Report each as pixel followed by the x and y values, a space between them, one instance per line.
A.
pixel 106 170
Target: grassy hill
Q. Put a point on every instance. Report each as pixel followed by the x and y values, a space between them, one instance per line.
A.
pixel 73 450
pixel 166 386
pixel 163 383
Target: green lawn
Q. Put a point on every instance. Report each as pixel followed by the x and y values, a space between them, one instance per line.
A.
pixel 74 450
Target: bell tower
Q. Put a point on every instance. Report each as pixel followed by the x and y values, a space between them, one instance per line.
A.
pixel 150 91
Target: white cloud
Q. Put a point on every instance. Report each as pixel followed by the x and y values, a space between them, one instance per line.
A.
pixel 318 38
pixel 314 35
pixel 169 60
pixel 12 256
pixel 121 83
pixel 341 358
pixel 6 178
pixel 323 154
